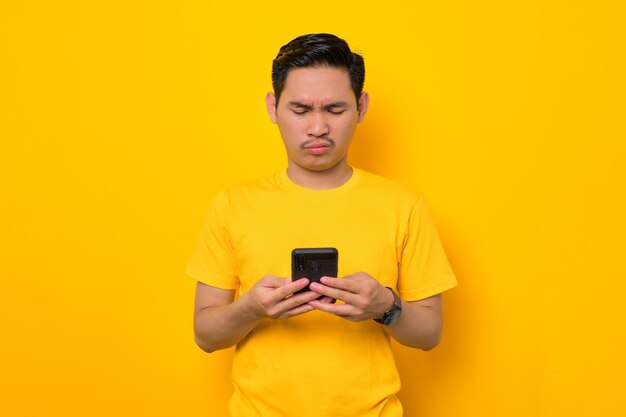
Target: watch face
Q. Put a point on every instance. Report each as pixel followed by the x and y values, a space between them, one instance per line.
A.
pixel 392 317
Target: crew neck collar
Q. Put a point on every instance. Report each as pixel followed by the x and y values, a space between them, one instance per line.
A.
pixel 292 186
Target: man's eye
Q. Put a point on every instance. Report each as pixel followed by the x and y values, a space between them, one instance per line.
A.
pixel 336 111
pixel 299 111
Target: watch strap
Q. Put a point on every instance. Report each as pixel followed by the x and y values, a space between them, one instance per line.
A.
pixel 393 314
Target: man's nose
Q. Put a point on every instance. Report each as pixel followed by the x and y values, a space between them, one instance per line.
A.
pixel 318 125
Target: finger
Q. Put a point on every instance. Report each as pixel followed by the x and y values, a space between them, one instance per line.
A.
pixel 345 284
pixel 342 310
pixel 330 292
pixel 295 301
pixel 288 287
pixel 271 281
pixel 304 308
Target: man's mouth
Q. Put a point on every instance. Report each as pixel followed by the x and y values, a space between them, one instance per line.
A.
pixel 318 146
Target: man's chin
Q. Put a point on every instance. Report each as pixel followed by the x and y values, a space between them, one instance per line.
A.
pixel 322 166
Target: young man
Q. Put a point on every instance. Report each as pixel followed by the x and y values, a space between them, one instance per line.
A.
pixel 301 354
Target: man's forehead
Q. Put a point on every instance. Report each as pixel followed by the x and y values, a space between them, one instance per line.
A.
pixel 318 86
pixel 318 69
pixel 317 78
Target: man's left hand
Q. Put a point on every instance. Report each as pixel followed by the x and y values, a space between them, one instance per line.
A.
pixel 364 297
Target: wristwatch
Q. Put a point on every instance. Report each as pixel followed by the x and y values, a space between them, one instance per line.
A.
pixel 393 314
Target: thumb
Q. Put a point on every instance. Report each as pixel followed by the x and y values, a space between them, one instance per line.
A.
pixel 271 281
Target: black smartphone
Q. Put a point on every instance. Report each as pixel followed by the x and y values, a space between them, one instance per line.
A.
pixel 313 263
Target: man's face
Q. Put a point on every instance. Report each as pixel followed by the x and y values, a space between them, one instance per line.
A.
pixel 317 115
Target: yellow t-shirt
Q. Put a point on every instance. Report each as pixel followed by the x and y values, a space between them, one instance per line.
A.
pixel 318 364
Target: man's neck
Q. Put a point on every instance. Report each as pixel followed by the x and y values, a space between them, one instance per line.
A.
pixel 320 180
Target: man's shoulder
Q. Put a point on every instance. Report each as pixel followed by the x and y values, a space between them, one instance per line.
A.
pixel 267 183
pixel 388 187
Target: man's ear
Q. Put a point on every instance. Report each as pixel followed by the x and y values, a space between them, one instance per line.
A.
pixel 270 103
pixel 364 103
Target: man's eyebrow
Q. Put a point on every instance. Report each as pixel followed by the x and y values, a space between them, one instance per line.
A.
pixel 300 105
pixel 334 104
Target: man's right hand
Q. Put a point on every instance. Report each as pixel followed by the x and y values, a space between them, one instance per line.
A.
pixel 221 322
pixel 274 297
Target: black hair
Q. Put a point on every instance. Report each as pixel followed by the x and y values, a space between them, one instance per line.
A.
pixel 317 50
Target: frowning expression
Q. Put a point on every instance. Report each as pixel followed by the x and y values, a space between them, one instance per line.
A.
pixel 317 114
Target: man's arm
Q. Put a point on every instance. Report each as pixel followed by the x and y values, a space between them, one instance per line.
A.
pixel 420 323
pixel 365 298
pixel 221 322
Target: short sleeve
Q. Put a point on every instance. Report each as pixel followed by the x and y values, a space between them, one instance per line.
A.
pixel 424 268
pixel 213 262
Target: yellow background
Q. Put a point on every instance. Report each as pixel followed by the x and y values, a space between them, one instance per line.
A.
pixel 119 121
